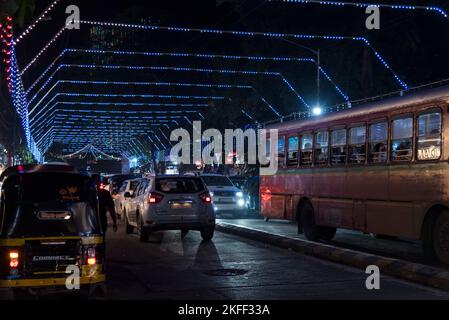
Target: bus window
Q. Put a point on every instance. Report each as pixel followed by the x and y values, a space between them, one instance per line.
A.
pixel 292 155
pixel 429 136
pixel 281 151
pixel 321 147
pixel 378 141
pixel 401 139
pixel 339 146
pixel 357 145
pixel 306 149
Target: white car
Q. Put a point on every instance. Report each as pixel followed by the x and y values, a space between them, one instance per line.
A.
pixel 171 202
pixel 120 200
pixel 226 198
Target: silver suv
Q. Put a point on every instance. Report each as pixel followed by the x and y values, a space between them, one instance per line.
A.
pixel 171 202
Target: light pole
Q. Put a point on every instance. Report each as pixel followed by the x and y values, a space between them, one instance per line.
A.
pixel 317 109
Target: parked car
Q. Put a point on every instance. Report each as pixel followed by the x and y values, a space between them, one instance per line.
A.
pixel 120 200
pixel 226 198
pixel 113 183
pixel 171 202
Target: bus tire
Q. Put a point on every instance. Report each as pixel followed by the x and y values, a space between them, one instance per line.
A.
pixel 440 237
pixel 129 229
pixel 312 231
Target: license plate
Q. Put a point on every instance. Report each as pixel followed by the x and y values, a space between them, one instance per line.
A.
pixel 225 200
pixel 181 205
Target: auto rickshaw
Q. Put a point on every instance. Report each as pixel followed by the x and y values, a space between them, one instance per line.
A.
pixel 50 232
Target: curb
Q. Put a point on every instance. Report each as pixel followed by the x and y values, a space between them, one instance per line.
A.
pixel 410 271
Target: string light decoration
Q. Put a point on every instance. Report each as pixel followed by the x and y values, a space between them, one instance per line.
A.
pixel 68 132
pixel 117 104
pixel 178 69
pixel 157 84
pixel 90 149
pixel 228 32
pixel 41 52
pixel 438 10
pixel 36 22
pixel 249 116
pixel 6 37
pixel 82 115
pixel 107 95
pixel 194 55
pixel 110 95
pixel 16 89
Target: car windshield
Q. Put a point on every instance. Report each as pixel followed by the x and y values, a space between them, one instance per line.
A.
pixel 217 181
pixel 179 185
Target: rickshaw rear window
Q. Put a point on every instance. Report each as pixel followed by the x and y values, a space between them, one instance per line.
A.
pixel 51 187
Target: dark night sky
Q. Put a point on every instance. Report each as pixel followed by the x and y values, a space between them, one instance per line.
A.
pixel 414 43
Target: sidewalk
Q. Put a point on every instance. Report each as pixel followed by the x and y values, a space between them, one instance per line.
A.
pixel 280 234
pixel 402 248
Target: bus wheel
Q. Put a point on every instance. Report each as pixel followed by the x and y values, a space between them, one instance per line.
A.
pixel 440 235
pixel 311 230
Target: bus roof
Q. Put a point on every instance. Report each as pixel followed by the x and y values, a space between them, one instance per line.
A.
pixel 416 98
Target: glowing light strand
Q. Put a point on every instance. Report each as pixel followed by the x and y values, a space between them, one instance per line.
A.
pixel 364 5
pixel 228 32
pixel 194 55
pixel 36 22
pixel 180 69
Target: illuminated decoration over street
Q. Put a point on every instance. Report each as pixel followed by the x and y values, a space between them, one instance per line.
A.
pixel 228 32
pixel 90 149
pixel 193 55
pixel 364 5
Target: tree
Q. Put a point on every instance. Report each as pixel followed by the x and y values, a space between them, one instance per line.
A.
pixel 21 10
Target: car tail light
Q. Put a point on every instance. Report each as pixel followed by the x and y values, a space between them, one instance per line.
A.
pixel 13 259
pixel 206 197
pixel 102 186
pixel 155 197
pixel 91 257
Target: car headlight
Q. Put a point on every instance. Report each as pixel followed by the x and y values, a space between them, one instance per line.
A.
pixel 239 194
pixel 211 194
pixel 241 202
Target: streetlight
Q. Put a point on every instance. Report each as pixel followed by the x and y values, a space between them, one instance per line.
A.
pixel 316 111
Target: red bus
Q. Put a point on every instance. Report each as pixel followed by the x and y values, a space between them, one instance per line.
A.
pixel 380 168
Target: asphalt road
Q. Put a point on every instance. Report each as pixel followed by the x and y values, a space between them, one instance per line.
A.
pixel 229 267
